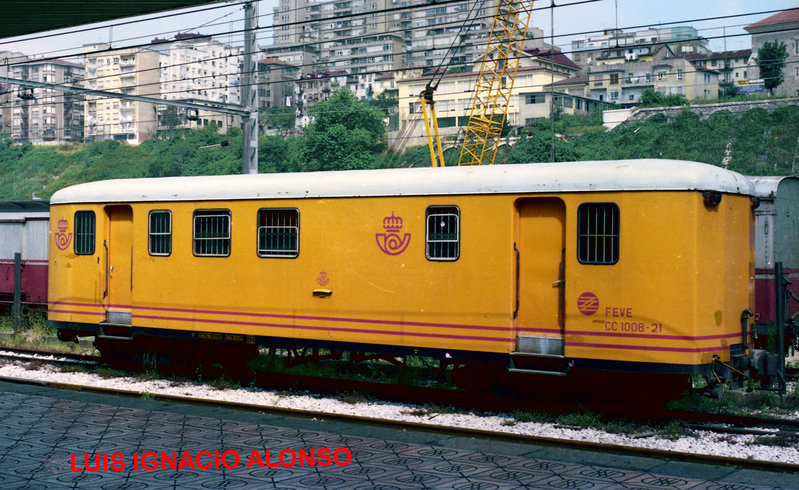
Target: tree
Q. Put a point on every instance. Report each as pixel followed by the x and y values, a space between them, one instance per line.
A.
pixel 280 118
pixel 771 60
pixel 538 148
pixel 170 118
pixel 651 98
pixel 345 134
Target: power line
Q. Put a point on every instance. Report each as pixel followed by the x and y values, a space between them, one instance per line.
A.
pixel 421 27
pixel 444 2
pixel 455 22
pixel 418 115
pixel 728 16
pixel 229 74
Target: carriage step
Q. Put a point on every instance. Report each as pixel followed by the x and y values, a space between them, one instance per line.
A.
pixel 537 363
pixel 537 371
pixel 535 354
pixel 114 331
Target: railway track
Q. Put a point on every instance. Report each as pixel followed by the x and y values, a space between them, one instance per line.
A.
pixel 392 392
pixel 54 357
pixel 424 397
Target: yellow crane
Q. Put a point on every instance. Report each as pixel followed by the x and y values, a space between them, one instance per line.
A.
pixel 492 90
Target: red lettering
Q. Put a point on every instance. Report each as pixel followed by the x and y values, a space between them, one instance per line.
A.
pixel 323 457
pixel 310 459
pixel 88 466
pixel 117 462
pixel 149 467
pixel 268 462
pixel 224 459
pixel 199 463
pixel 347 452
pixel 293 458
pixel 185 460
pixel 72 465
pixel 255 458
pixel 173 463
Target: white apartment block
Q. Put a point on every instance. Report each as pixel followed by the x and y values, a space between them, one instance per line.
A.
pixel 130 71
pixel 359 36
pixel 196 67
pixel 41 115
pixel 351 35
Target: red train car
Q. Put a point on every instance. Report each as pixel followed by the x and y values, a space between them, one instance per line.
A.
pixel 24 229
pixel 776 240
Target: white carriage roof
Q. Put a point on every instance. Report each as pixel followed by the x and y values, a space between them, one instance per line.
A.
pixel 615 175
pixel 766 187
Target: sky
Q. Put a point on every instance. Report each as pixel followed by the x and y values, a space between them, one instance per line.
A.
pixel 569 22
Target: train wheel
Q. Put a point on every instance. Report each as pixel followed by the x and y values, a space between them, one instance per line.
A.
pixel 477 375
pixel 186 357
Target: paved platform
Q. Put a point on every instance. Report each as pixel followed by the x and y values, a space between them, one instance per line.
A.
pixel 63 439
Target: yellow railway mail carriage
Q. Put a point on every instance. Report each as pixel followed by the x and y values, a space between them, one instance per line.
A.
pixel 640 265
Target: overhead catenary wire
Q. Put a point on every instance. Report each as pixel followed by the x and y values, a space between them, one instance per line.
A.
pixel 400 30
pixel 304 65
pixel 364 73
pixel 369 110
pixel 564 35
pixel 444 2
pixel 400 69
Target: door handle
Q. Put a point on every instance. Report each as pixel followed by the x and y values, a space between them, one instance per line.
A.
pixel 322 293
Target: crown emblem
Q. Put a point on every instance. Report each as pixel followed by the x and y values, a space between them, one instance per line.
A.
pixel 392 223
pixel 63 224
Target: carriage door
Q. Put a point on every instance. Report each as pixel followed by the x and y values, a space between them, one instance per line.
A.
pixel 119 261
pixel 540 264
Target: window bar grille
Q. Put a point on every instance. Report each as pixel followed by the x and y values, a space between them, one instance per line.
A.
pixel 212 234
pixel 598 234
pixel 84 232
pixel 278 233
pixel 442 233
pixel 160 233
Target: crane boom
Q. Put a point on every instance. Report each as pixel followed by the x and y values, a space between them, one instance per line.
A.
pixel 433 136
pixel 495 83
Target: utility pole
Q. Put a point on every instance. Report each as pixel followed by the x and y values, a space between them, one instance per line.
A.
pixel 249 92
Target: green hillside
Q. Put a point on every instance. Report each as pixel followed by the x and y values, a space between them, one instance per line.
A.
pixel 759 143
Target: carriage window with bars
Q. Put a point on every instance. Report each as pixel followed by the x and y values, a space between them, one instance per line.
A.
pixel 442 236
pixel 84 232
pixel 212 232
pixel 598 233
pixel 278 233
pixel 160 242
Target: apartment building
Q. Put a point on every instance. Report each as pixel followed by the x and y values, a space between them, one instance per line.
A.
pixel 130 71
pixel 276 82
pixel 616 46
pixel 41 115
pixel 194 66
pixel 732 66
pixel 359 36
pixel 781 27
pixel 667 73
pixel 351 35
pixel 538 69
